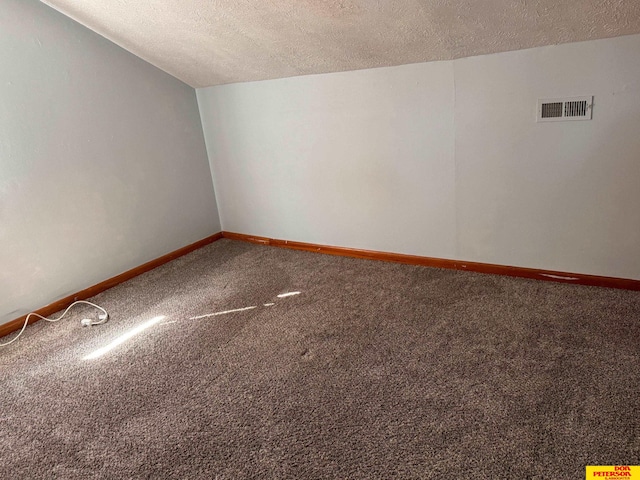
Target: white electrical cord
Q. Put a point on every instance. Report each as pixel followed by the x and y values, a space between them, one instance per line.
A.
pixel 102 318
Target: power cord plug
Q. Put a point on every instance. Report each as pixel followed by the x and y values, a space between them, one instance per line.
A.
pixel 102 318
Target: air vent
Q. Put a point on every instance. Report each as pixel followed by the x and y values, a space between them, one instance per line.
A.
pixel 560 109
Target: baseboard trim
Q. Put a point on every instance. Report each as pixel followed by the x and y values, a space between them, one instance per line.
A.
pixel 536 274
pixel 522 272
pixel 63 303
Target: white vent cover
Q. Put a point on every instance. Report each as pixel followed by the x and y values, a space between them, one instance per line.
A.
pixel 562 109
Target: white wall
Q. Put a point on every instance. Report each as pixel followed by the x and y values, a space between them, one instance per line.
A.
pixel 441 159
pixel 554 195
pixel 102 160
pixel 361 159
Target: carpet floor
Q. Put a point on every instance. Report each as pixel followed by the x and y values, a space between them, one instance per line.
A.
pixel 372 370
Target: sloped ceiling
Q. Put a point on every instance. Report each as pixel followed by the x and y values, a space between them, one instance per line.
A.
pixel 211 42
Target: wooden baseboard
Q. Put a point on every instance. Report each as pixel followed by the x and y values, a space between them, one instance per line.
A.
pixel 537 274
pixel 63 303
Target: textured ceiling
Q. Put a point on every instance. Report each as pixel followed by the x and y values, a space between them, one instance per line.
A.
pixel 210 42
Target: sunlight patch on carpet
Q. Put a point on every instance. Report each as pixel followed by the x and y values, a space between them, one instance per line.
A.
pixel 222 313
pixel 289 294
pixel 123 338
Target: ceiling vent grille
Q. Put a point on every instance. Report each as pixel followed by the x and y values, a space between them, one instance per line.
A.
pixel 561 109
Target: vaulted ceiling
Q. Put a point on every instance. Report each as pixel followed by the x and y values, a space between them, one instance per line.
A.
pixel 211 42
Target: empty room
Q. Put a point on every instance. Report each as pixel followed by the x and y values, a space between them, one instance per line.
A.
pixel 326 239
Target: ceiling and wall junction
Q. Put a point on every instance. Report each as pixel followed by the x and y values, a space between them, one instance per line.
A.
pixel 212 42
